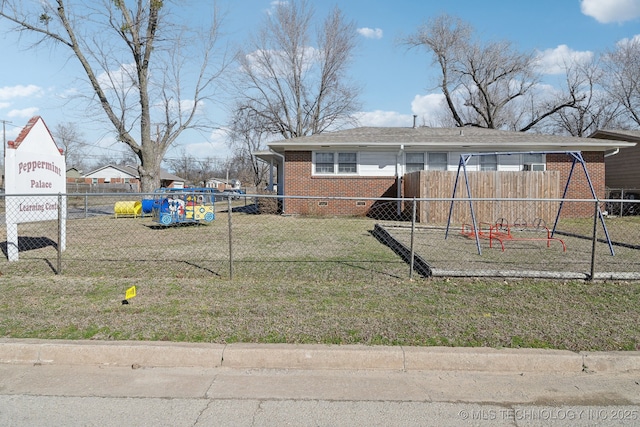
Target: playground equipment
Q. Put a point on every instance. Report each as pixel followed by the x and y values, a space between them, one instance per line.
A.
pixel 577 158
pixel 183 205
pixel 128 209
pixel 500 231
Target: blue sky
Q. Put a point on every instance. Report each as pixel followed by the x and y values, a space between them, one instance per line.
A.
pixel 396 82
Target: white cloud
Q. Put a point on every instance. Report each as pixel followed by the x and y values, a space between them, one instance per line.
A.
pixel 5 105
pixel 428 107
pixel 607 11
pixel 19 91
pixel 370 33
pixel 384 119
pixel 23 113
pixel 625 42
pixel 555 61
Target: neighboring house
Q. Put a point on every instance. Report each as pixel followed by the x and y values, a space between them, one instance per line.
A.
pixel 223 184
pixel 73 174
pixel 113 176
pixel 623 167
pixel 127 177
pixel 370 162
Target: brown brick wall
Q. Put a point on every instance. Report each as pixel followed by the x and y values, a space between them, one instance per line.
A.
pixel 579 187
pixel 300 182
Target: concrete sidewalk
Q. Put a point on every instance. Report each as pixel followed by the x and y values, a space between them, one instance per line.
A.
pixel 309 357
pixel 78 383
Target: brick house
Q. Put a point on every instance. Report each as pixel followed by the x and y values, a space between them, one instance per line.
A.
pixel 371 162
pixel 126 178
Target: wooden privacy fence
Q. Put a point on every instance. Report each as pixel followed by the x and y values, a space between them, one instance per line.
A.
pixel 489 185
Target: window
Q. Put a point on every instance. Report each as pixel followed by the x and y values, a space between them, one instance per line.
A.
pixel 533 158
pixel 489 162
pixel 437 161
pixel 94 180
pixel 324 163
pixel 347 163
pixel 329 163
pixel 414 162
pixel 533 162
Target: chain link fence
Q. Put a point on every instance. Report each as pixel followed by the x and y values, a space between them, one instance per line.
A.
pixel 118 236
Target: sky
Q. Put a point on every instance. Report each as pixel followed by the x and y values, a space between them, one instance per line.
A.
pixel 396 82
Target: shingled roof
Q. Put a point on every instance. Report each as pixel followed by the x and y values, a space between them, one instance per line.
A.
pixel 467 138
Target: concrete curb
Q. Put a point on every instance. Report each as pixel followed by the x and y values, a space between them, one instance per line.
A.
pixel 310 356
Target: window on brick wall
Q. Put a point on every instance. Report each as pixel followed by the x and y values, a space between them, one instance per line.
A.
pixel 324 163
pixel 329 163
pixel 347 163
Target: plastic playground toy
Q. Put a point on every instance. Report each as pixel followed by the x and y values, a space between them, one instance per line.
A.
pixel 500 231
pixel 183 205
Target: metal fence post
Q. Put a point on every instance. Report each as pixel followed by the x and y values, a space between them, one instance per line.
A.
pixel 594 240
pixel 86 206
pixel 230 239
pixel 59 267
pixel 413 230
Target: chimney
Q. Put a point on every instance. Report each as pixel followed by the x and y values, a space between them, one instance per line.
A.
pixel 415 116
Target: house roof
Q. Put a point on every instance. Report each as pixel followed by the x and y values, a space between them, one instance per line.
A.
pixel 124 169
pixel 133 172
pixel 618 135
pixel 467 139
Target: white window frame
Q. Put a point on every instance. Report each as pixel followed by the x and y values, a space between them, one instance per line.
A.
pixel 407 162
pixel 336 163
pixel 430 165
pixel 488 166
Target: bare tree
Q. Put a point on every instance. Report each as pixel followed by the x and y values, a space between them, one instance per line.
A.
pixel 196 170
pixel 247 135
pixel 149 75
pixel 595 109
pixel 71 140
pixel 622 77
pixel 487 85
pixel 297 88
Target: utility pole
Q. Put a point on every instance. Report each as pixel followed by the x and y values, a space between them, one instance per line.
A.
pixel 4 149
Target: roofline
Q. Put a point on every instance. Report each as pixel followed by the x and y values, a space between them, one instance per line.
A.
pixel 615 135
pixel 594 145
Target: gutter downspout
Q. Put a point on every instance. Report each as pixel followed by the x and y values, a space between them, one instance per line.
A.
pixel 613 153
pixel 399 164
pixel 280 184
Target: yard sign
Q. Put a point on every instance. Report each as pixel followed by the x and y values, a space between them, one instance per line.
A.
pixel 34 168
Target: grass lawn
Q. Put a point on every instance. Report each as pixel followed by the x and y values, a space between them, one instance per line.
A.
pixel 297 280
pixel 495 313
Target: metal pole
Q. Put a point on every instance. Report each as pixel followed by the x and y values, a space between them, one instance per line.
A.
pixel 593 242
pixel 230 239
pixel 59 268
pixel 4 150
pixel 413 232
pixel 86 206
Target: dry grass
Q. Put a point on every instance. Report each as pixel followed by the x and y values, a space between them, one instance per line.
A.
pixel 301 280
pixel 521 313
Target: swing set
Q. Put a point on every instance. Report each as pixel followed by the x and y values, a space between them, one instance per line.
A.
pixel 500 231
